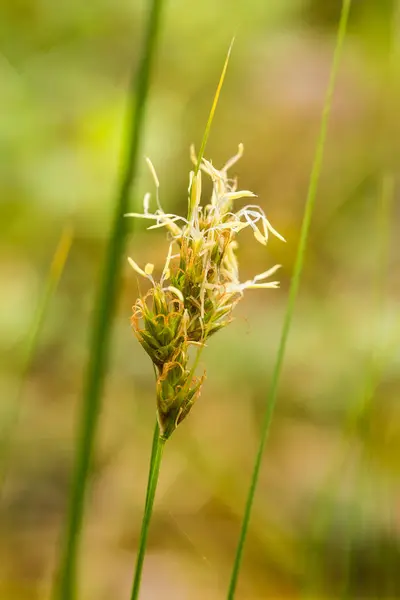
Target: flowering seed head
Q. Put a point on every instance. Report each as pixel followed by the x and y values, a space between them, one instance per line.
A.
pixel 203 283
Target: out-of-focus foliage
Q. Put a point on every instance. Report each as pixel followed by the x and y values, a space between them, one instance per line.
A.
pixel 326 517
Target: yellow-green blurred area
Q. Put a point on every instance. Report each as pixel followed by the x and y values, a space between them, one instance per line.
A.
pixel 326 518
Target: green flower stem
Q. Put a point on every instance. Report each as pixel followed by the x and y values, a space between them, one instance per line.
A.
pixel 107 296
pixel 310 202
pixel 154 469
pixel 154 444
pixel 155 464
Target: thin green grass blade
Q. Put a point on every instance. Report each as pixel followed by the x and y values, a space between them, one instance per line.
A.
pixel 51 283
pixel 213 109
pixel 148 510
pixel 64 588
pixel 310 202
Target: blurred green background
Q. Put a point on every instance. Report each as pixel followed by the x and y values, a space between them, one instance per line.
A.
pixel 326 521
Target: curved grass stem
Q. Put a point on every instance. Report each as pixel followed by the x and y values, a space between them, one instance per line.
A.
pixel 107 296
pixel 305 227
pixel 155 463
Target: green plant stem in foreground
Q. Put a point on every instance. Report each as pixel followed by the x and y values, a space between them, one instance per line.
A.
pixel 155 463
pixel 65 585
pixel 310 202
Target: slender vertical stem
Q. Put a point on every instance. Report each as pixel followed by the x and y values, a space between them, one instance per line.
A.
pixel 310 202
pixel 154 445
pixel 148 509
pixel 105 305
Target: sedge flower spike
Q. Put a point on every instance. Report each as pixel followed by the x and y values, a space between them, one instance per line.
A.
pixel 199 285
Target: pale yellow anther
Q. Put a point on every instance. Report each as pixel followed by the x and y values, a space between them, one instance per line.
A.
pixel 238 195
pixel 266 274
pixel 175 291
pixel 166 271
pixel 193 156
pixel 259 286
pixel 153 172
pixel 235 158
pixel 259 237
pixel 136 268
pixel 267 225
pixel 195 194
pixel 146 203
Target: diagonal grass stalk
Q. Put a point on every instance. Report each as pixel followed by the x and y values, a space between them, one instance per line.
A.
pixel 155 463
pixel 213 109
pixel 65 584
pixel 294 286
pixel 53 278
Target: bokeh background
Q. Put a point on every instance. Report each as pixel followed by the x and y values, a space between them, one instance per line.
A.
pixel 326 520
